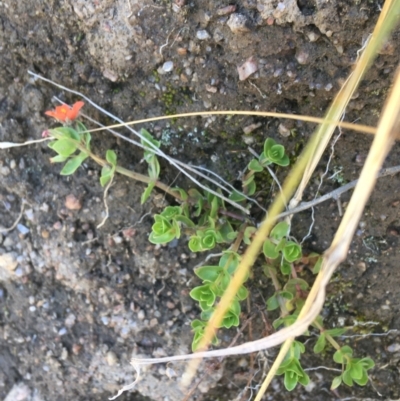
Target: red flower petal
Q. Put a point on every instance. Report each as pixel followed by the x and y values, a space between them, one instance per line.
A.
pixel 66 113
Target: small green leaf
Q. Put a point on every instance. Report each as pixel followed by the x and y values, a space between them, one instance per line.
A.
pixel 280 231
pixel 161 238
pixel 209 239
pixel 195 243
pixel 336 332
pixel 336 382
pixel 273 302
pixel 290 380
pixel 347 379
pixel 248 233
pixel 64 147
pixel 242 293
pixel 184 220
pixel 73 164
pixel 363 380
pixel 255 165
pixel 269 249
pixel 66 132
pixel 236 196
pixel 367 363
pixel 182 193
pixel 317 266
pixel 292 251
pixel 58 159
pixel 357 371
pixel 203 293
pixel 111 157
pixel 171 211
pixel 147 193
pixel 251 188
pixel 320 344
pixel 208 273
pixel 106 175
pixel 286 268
pixel 229 261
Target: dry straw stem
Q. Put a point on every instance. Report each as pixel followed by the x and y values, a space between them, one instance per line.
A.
pixel 338 107
pixel 310 119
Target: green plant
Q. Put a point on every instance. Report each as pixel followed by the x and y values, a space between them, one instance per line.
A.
pixel 206 221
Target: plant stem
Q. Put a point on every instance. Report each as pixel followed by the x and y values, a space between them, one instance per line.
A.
pixel 119 169
pixel 327 336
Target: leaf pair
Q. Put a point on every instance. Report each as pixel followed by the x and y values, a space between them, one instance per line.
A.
pixel 67 143
pixel 215 282
pixel 292 368
pixel 277 243
pixel 355 369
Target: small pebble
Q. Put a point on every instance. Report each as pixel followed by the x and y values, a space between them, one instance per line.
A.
pixel 394 347
pixel 238 23
pixel 72 202
pixel 4 170
pixel 32 308
pixel 141 315
pixel 70 320
pixel 13 164
pixel 202 35
pixel 117 239
pixel 45 234
pixel 76 349
pixel 64 354
pixel 226 10
pixel 248 68
pixel 57 225
pixel 62 331
pixel 22 229
pixel 111 358
pixel 105 320
pixel 168 66
pixel 283 130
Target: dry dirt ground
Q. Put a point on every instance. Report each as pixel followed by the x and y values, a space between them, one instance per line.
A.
pixel 76 301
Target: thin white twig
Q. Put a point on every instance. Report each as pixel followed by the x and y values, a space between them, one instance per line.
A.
pixel 322 367
pixel 128 386
pixel 372 334
pixel 105 201
pixel 322 179
pixel 336 193
pixel 7 145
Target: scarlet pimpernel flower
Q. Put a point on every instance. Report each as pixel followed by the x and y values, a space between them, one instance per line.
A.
pixel 66 113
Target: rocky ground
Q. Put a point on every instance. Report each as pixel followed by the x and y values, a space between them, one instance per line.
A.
pixel 76 302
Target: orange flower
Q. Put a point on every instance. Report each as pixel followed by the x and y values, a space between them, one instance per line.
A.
pixel 66 113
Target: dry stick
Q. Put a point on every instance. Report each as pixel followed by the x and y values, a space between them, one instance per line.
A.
pixel 7 145
pixel 149 144
pixel 336 193
pixel 309 119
